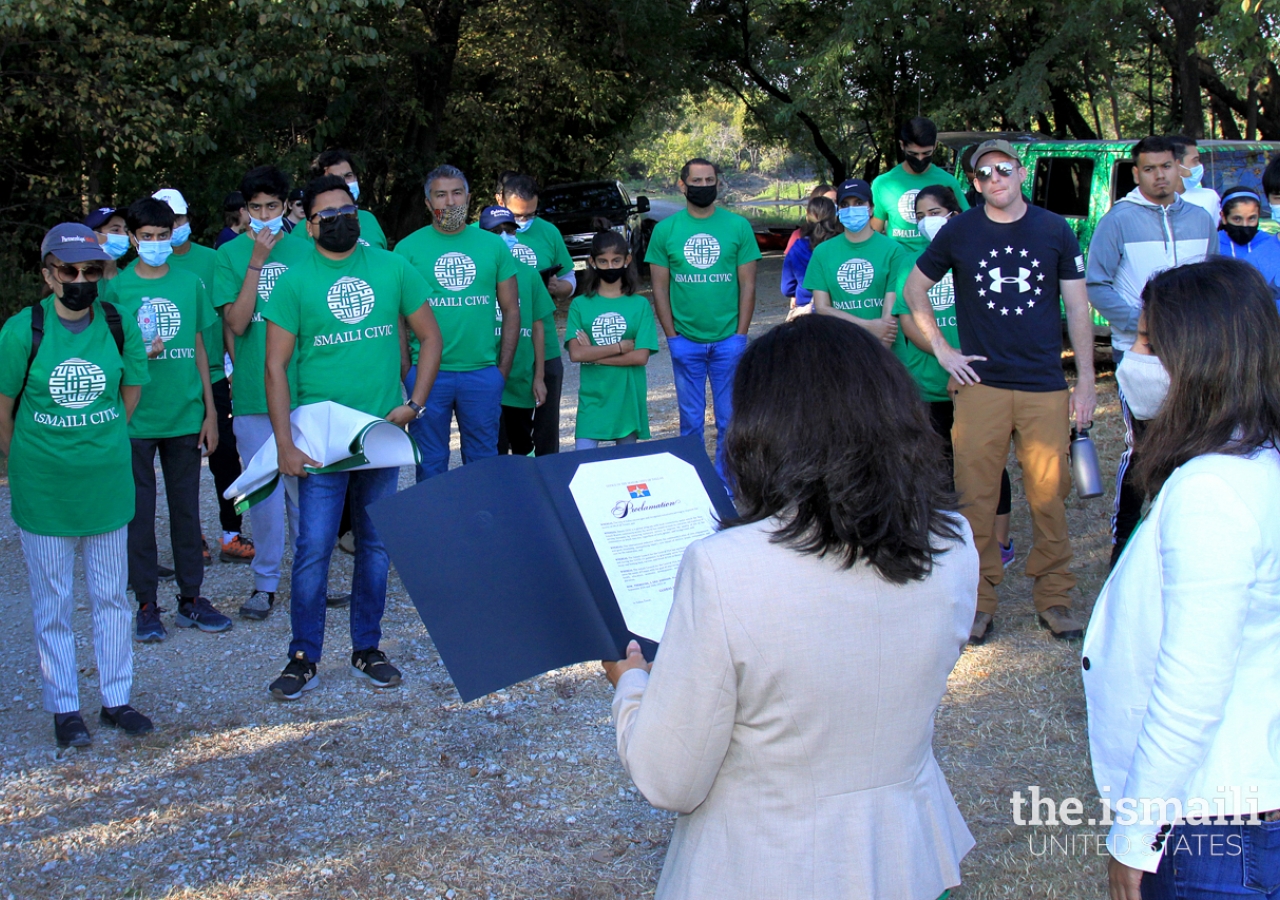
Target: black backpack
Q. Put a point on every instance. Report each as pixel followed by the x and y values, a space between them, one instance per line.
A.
pixel 109 312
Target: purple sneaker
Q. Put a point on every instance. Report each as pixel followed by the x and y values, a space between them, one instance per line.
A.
pixel 1007 554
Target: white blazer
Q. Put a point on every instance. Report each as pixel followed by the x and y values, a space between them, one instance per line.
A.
pixel 1182 657
pixel 789 719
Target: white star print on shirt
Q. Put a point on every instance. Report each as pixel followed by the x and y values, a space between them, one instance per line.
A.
pixel 1008 250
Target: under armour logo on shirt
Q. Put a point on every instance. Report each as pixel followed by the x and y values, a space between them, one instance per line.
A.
pixel 999 280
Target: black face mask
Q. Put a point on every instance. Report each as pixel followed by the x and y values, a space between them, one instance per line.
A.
pixel 700 195
pixel 919 165
pixel 338 235
pixel 1241 234
pixel 79 295
pixel 610 276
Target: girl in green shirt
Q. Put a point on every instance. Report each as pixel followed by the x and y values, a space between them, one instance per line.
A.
pixel 612 332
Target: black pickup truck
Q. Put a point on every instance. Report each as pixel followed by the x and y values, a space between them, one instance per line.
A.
pixel 572 207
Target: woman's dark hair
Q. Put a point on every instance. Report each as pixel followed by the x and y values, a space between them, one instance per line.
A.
pixel 1215 326
pixel 1271 176
pixel 231 206
pixel 148 212
pixel 821 189
pixel 943 194
pixel 860 472
pixel 606 240
pixel 1230 204
pixel 820 222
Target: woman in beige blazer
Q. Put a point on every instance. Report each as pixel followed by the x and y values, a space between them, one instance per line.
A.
pixel 789 715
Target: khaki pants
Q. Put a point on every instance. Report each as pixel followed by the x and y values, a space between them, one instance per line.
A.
pixel 1039 423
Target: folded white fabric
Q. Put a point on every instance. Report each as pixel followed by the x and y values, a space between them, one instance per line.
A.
pixel 339 438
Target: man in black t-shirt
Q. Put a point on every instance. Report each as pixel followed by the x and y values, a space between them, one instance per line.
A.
pixel 1010 262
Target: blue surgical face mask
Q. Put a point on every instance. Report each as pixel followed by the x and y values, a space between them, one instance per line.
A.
pixel 354 188
pixel 181 234
pixel 154 253
pixel 511 240
pixel 274 224
pixel 855 218
pixel 1197 175
pixel 522 227
pixel 117 245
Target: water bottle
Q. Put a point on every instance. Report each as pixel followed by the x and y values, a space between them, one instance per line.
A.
pixel 1084 465
pixel 147 322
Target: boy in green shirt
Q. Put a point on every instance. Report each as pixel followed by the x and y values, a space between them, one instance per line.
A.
pixel 894 213
pixel 175 417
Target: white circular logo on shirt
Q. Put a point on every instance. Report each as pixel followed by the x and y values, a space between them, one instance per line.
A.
pixel 455 271
pixel 168 319
pixel 350 300
pixel 854 276
pixel 268 277
pixel 907 206
pixel 76 383
pixel 608 328
pixel 524 254
pixel 702 251
pixel 943 294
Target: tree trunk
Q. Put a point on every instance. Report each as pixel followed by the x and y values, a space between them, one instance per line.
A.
pixel 1226 121
pixel 1187 17
pixel 1067 117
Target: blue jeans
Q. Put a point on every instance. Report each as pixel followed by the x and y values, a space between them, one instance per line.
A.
pixel 476 398
pixel 320 499
pixel 1217 862
pixel 691 364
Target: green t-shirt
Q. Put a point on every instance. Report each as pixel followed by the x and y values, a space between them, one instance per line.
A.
pixel 893 196
pixel 613 401
pixel 703 256
pixel 857 275
pixel 370 231
pixel 173 403
pixel 463 271
pixel 535 304
pixel 248 393
pixel 203 261
pixel 924 368
pixel 346 316
pixel 549 249
pixel 70 463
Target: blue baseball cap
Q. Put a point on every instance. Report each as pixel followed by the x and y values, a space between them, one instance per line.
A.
pixel 493 216
pixel 853 187
pixel 100 217
pixel 73 243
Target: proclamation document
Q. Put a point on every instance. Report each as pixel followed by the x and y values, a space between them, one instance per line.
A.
pixel 642 512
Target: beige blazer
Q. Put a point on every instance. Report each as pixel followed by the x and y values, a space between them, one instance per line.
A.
pixel 789 719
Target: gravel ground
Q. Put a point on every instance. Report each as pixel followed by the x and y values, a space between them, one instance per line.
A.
pixel 353 793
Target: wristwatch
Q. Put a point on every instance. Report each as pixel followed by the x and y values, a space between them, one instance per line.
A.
pixel 418 411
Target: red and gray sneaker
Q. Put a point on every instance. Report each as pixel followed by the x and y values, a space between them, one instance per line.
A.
pixel 373 665
pixel 298 677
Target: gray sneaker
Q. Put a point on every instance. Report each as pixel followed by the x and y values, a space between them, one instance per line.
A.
pixel 1062 623
pixel 982 623
pixel 258 606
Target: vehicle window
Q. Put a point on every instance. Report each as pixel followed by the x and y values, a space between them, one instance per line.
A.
pixel 587 198
pixel 1062 185
pixel 1122 180
pixel 1224 168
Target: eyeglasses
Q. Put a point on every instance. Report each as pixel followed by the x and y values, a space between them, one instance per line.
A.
pixel 1003 169
pixel 66 273
pixel 328 215
pixel 523 219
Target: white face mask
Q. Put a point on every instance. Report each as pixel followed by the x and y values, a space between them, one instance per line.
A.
pixel 1143 384
pixel 929 226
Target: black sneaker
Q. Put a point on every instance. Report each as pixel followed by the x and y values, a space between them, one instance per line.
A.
pixel 373 665
pixel 299 676
pixel 199 613
pixel 70 731
pixel 334 601
pixel 164 573
pixel 258 606
pixel 126 718
pixel 148 629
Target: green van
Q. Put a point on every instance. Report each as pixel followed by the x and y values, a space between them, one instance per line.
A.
pixel 1079 180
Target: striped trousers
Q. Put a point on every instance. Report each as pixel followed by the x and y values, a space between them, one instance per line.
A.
pixel 50 566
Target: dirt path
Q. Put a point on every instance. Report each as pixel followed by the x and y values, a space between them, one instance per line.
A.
pixel 357 794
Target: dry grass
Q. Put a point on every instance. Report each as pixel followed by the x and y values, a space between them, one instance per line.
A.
pixel 357 794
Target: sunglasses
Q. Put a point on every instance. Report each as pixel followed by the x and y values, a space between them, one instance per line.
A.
pixel 328 215
pixel 67 273
pixel 1003 169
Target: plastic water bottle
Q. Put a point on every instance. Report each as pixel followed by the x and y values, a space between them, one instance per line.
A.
pixel 1084 465
pixel 147 322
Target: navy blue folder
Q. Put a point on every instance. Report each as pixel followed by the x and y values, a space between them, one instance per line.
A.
pixel 502 570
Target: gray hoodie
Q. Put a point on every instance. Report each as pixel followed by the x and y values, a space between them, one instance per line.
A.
pixel 1135 240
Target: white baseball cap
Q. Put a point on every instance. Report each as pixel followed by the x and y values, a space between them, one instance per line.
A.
pixel 174 198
